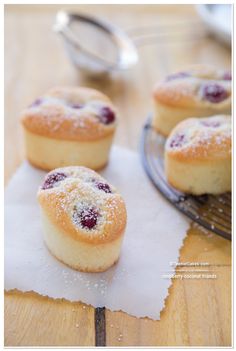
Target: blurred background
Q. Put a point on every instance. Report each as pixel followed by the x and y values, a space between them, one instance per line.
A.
pixel 35 60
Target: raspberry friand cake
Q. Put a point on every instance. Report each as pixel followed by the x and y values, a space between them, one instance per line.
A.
pixel 69 126
pixel 84 218
pixel 198 155
pixel 199 91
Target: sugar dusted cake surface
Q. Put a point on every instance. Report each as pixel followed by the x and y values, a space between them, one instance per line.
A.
pixel 70 113
pixel 82 204
pixel 201 138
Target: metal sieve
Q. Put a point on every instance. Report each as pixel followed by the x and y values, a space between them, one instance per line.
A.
pixel 114 50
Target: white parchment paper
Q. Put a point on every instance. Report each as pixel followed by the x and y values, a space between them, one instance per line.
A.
pixel 136 285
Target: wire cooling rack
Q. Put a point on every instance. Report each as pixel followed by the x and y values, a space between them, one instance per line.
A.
pixel 212 212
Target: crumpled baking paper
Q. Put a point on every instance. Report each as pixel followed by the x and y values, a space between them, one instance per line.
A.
pixel 137 283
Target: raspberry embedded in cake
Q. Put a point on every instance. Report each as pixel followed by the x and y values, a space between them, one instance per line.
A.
pixel 227 75
pixel 104 187
pixel 214 93
pixel 86 217
pixel 76 106
pixel 177 76
pixel 197 167
pixel 52 179
pixel 206 92
pixel 106 115
pixel 36 103
pixel 76 120
pixel 83 226
pixel 211 124
pixel 177 141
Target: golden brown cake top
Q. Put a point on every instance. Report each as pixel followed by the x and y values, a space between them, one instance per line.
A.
pixel 83 205
pixel 201 139
pixel 71 113
pixel 198 86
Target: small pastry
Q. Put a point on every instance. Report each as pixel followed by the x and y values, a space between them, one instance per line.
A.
pixel 84 218
pixel 69 126
pixel 198 155
pixel 199 91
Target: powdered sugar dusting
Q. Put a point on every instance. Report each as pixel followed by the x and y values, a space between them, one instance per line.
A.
pixel 89 207
pixel 77 111
pixel 72 114
pixel 200 132
pixel 192 85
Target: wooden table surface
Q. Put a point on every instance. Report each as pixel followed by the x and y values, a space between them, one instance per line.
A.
pixel 197 312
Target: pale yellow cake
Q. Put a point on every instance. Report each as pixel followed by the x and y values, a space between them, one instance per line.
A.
pixel 198 155
pixel 69 126
pixel 198 91
pixel 84 218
